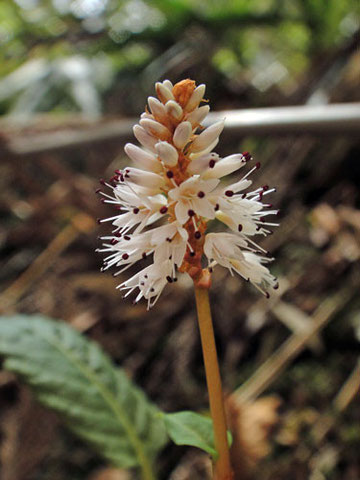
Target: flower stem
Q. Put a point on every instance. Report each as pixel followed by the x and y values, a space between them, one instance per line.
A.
pixel 222 469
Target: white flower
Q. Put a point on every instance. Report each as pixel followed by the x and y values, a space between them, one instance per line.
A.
pixel 176 180
pixel 233 252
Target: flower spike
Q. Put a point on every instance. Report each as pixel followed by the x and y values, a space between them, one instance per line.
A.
pixel 175 180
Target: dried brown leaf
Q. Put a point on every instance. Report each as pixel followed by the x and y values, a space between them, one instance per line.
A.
pixel 251 425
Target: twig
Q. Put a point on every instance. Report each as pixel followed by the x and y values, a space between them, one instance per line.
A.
pixel 271 368
pixel 334 119
pixel 81 223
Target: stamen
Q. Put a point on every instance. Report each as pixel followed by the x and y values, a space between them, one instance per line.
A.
pixel 163 209
pixel 229 193
pixel 125 256
pixel 197 235
pixel 191 213
pixel 240 227
pixel 212 163
pixel 201 194
pixel 169 174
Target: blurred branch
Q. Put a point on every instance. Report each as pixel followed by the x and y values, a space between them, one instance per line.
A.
pixel 324 119
pixel 272 368
pixel 80 223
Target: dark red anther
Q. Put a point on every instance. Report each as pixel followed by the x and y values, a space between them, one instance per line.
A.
pixel 197 235
pixel 277 213
pixel 247 156
pixel 276 286
pixel 191 213
pixel 168 239
pixel 163 209
pixel 212 163
pixel 125 256
pixel 118 172
pixel 126 237
pixel 258 165
pixel 240 227
pixel 136 210
pixel 201 194
pixel 169 279
pixel 114 241
pixel 216 208
pixel 99 221
pixel 98 190
pixel 102 181
pixel 267 294
pixel 229 193
pixel 102 200
pixel 265 187
pixel 243 195
pixel 169 174
pixel 192 254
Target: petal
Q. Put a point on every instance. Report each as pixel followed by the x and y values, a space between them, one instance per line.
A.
pixel 181 211
pixel 225 166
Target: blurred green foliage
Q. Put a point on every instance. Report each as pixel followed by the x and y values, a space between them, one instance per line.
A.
pixel 77 54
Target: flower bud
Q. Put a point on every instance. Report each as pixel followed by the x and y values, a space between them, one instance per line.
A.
pixel 155 128
pixel 167 153
pixel 163 92
pixel 198 115
pixel 207 137
pixel 174 109
pixel 182 134
pixel 195 98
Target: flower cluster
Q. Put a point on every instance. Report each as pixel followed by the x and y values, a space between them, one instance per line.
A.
pixel 166 200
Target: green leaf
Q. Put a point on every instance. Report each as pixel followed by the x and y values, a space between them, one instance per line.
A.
pixel 73 376
pixel 190 428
